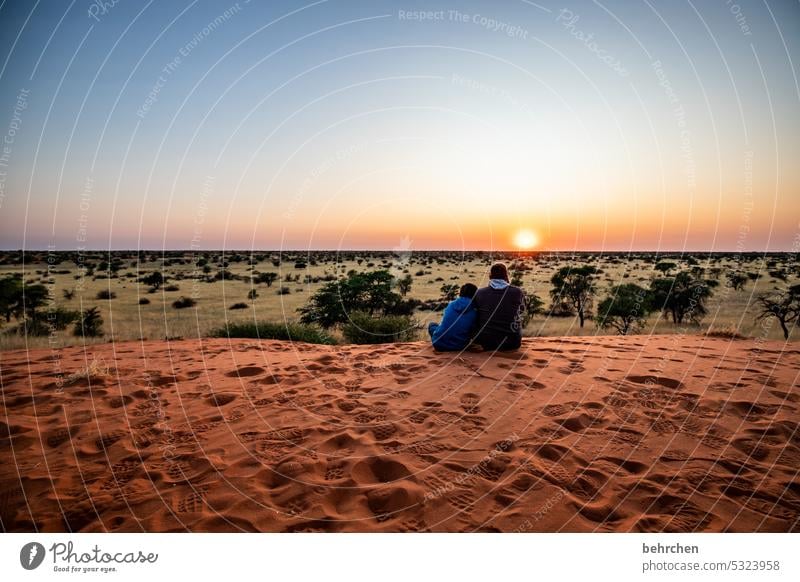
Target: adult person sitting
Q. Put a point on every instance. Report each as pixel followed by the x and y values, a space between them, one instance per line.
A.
pixel 499 307
pixel 458 323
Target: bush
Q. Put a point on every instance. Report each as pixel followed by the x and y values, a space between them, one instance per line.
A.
pixel 144 301
pixel 172 288
pixel 90 324
pixel 288 331
pixel 239 305
pixel 284 291
pixel 60 318
pixel 106 294
pixel 365 329
pixel 184 302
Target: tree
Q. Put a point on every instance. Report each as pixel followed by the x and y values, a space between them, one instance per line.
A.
pixel 90 323
pixel 533 305
pixel 404 285
pixel 11 297
pixel 665 266
pixel 576 287
pixel 33 297
pixel 369 292
pixel 268 278
pixel 626 309
pixel 682 296
pixel 736 280
pixel 785 307
pixel 516 278
pixel 154 279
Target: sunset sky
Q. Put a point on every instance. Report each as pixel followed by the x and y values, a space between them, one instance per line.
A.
pixel 660 125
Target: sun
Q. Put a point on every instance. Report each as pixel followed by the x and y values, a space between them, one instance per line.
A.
pixel 526 239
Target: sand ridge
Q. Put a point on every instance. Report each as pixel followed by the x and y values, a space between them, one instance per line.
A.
pixel 641 433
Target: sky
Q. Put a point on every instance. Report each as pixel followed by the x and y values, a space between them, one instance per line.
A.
pixel 654 125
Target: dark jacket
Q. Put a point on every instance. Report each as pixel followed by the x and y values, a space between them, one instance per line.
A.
pixel 499 318
pixel 457 325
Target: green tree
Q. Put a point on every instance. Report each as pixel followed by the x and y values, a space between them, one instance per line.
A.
pixel 626 309
pixel 90 323
pixel 736 280
pixel 154 279
pixel 533 305
pixel 576 287
pixel 665 266
pixel 683 297
pixel 369 292
pixel 267 278
pixel 34 297
pixel 11 297
pixel 404 285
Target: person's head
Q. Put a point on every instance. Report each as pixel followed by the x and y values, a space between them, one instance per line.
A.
pixel 499 271
pixel 467 290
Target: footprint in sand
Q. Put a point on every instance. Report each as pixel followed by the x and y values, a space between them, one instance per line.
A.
pixel 105 441
pixel 469 403
pixel 384 431
pixel 119 401
pixel 559 409
pixel 194 501
pixel 121 474
pixel 60 436
pixel 655 380
pixel 246 372
pixel 221 398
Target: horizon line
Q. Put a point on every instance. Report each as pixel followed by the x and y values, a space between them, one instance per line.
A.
pixel 379 250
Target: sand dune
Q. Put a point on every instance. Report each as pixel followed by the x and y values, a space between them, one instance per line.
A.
pixel 662 433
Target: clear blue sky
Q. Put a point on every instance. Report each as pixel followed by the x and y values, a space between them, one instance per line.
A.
pixel 597 125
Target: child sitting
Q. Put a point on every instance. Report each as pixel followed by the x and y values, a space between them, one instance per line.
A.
pixel 455 331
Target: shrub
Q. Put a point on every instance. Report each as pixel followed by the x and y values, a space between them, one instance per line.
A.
pixel 365 329
pixel 106 294
pixel 68 294
pixel 288 331
pixel 184 302
pixel 728 332
pixel 172 288
pixel 252 294
pixel 239 305
pixel 284 291
pixel 144 301
pixel 90 324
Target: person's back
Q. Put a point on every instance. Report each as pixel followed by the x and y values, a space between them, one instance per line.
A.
pixel 458 322
pixel 499 309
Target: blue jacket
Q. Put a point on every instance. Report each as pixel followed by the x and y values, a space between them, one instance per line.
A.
pixel 458 322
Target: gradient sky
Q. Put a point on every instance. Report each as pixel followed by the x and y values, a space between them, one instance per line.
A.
pixel 660 125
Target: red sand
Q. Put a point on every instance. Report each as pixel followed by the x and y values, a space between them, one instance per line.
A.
pixel 662 433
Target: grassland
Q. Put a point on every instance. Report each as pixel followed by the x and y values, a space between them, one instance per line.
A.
pixel 300 274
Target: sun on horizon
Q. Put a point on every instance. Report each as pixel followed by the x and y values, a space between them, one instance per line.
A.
pixel 526 239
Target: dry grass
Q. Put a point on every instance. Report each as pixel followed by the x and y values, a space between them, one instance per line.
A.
pixel 125 319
